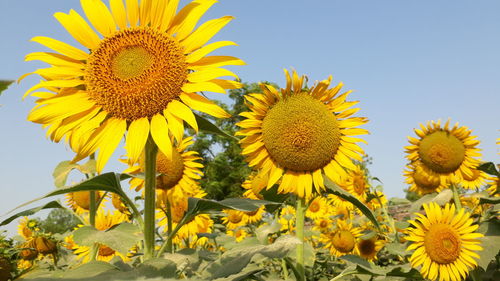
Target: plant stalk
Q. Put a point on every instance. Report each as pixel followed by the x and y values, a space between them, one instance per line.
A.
pixel 150 198
pixel 169 221
pixel 299 230
pixel 456 197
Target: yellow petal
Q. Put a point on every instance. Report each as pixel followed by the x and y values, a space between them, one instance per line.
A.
pixel 203 104
pixel 159 132
pixel 65 107
pixel 274 176
pixel 175 124
pixel 119 13
pixel 99 15
pixel 180 110
pixel 145 12
pixel 204 33
pixel 215 61
pixel 61 47
pixel 209 74
pixel 111 137
pixel 188 17
pixel 54 59
pixel 137 136
pixel 168 15
pixel 54 83
pixel 78 28
pixel 205 50
pixel 202 87
pixel 132 12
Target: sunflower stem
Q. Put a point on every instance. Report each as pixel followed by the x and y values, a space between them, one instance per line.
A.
pixel 456 197
pixel 169 221
pixel 92 197
pixel 299 230
pixel 149 198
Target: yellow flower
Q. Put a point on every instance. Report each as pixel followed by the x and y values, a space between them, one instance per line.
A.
pixel 233 219
pixel 357 183
pixel 474 182
pixel 239 233
pixel 80 201
pixel 375 204
pixel 317 208
pixel 445 242
pixel 296 135
pixel 287 219
pixel 118 204
pixel 26 227
pixel 449 152
pixel 369 248
pixel 423 181
pixel 103 221
pixel 341 241
pixel 141 75
pixel 493 183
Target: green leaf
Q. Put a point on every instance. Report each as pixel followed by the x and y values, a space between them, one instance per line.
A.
pixel 106 182
pixel 397 249
pixel 4 84
pixel 29 212
pixel 333 188
pixel 489 200
pixel 201 206
pixel 272 195
pixel 363 265
pixel 440 198
pixel 208 127
pixel 490 242
pixel 401 224
pixel 264 230
pixel 236 259
pixel 120 238
pixel 88 270
pixel 489 168
pixel 62 171
pixel 157 268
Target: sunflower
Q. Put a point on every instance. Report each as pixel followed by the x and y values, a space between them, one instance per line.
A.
pixel 287 219
pixel 344 207
pixel 357 183
pixel 317 208
pixel 474 182
pixel 323 224
pixel 295 135
pixel 254 184
pixel 233 219
pixel 422 180
pixel 445 242
pixel 342 241
pixel 494 183
pixel 117 202
pixel 239 234
pixel 448 152
pixel 140 75
pixel 80 201
pixel 369 248
pixel 103 221
pixel 180 172
pixel 26 227
pixel 378 201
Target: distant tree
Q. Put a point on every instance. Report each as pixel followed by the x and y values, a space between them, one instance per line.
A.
pixel 225 167
pixel 58 221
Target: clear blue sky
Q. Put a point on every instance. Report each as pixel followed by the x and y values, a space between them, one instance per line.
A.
pixel 408 62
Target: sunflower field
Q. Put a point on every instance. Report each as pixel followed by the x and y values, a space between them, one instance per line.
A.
pixel 292 198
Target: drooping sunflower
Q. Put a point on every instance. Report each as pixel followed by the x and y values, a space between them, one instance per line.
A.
pixel 445 243
pixel 296 135
pixel 342 241
pixel 103 221
pixel 474 182
pixel 80 201
pixel 139 77
pixel 423 181
pixel 449 152
pixel 179 173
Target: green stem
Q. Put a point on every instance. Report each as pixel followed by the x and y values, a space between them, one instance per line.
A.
pixel 285 269
pixel 135 211
pixel 149 198
pixel 172 234
pixel 92 197
pixel 169 221
pixel 456 197
pixel 299 230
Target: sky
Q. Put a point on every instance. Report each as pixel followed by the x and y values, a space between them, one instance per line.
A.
pixel 408 62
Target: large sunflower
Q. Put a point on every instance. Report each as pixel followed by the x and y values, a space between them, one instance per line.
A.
pixel 445 242
pixel 449 152
pixel 297 134
pixel 141 75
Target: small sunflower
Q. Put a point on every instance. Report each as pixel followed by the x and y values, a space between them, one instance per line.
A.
pixel 323 224
pixel 80 201
pixel 287 219
pixel 449 152
pixel 357 183
pixel 493 183
pixel 344 206
pixel 423 180
pixel 296 135
pixel 369 248
pixel 342 241
pixel 233 219
pixel 317 208
pixel 26 227
pixel 239 234
pixel 445 242
pixel 140 77
pixel 103 221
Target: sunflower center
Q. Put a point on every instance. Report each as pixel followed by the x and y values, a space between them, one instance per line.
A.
pixel 234 217
pixel 442 243
pixel 442 152
pixel 323 224
pixel 135 73
pixel 171 170
pixel 105 251
pixel 425 182
pixel 300 133
pixel 366 247
pixel 314 207
pixel 359 184
pixel 343 241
